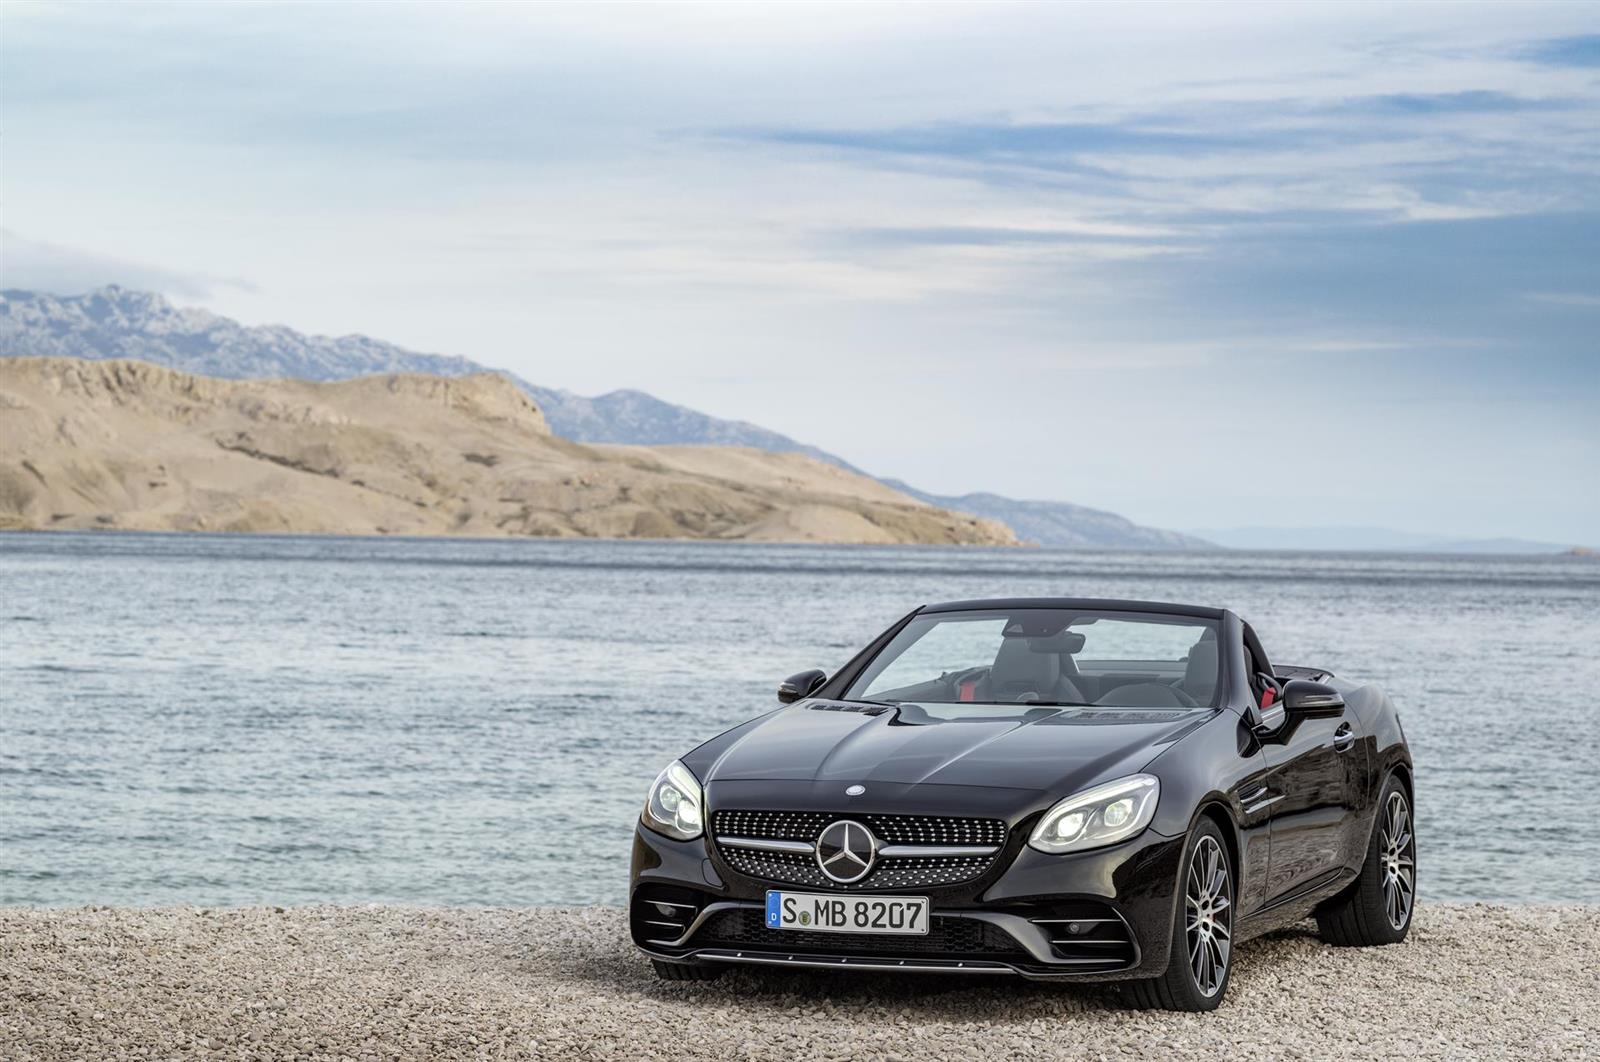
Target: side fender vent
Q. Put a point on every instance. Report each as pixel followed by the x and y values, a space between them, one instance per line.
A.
pixel 848 706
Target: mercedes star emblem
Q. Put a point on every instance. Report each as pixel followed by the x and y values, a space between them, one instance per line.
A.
pixel 846 851
pixel 854 790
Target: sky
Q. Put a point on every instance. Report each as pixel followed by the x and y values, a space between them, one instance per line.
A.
pixel 1207 266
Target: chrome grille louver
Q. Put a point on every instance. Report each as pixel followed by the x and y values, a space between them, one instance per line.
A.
pixel 661 914
pixel 913 851
pixel 1089 935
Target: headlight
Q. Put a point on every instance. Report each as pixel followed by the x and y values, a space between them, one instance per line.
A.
pixel 1103 815
pixel 674 806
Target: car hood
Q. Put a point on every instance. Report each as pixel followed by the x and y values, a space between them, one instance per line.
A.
pixel 1043 749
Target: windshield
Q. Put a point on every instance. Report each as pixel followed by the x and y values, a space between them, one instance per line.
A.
pixel 1047 656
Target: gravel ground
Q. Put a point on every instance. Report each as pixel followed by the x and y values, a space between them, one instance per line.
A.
pixel 393 982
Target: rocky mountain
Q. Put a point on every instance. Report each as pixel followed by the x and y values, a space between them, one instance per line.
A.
pixel 114 322
pixel 643 419
pixel 126 444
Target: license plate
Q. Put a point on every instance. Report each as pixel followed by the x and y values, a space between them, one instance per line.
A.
pixel 819 912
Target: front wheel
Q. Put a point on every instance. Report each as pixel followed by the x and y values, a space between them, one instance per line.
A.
pixel 1377 908
pixel 1202 933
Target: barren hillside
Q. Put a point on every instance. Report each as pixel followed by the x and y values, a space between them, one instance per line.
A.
pixel 125 444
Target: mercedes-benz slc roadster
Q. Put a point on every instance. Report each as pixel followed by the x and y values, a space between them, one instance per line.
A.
pixel 1057 788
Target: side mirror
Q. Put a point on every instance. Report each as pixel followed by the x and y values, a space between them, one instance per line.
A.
pixel 802 685
pixel 1312 700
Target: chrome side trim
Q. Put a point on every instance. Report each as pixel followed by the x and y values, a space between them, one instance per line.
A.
pixel 1262 805
pixel 936 851
pixel 763 845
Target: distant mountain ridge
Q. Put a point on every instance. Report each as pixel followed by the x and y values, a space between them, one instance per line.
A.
pixel 1369 539
pixel 1059 523
pixel 116 322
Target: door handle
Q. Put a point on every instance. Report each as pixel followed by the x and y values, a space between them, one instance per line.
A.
pixel 1343 738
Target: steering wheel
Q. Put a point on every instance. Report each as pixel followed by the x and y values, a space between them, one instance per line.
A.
pixel 1184 698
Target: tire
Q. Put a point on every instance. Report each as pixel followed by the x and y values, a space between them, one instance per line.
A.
pixel 1377 909
pixel 1202 930
pixel 683 971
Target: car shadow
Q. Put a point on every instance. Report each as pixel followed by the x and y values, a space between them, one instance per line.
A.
pixel 615 968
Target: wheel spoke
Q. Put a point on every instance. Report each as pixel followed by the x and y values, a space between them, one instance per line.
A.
pixel 1220 931
pixel 1219 951
pixel 1219 904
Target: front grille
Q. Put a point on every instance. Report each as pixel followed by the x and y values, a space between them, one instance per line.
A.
pixel 889 829
pixel 890 872
pixel 797 869
pixel 962 938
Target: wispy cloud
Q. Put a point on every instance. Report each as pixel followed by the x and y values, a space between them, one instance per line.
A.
pixel 1582 50
pixel 1477 101
pixel 1566 298
pixel 39 266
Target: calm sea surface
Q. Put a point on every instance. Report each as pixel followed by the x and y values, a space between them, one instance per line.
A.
pixel 228 720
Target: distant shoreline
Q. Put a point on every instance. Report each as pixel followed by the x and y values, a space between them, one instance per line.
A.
pixel 1578 552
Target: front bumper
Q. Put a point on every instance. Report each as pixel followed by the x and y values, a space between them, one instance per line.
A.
pixel 1100 915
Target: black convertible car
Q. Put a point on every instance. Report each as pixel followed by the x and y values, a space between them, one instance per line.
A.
pixel 1057 788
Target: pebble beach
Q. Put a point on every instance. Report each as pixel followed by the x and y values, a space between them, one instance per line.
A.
pixel 1472 982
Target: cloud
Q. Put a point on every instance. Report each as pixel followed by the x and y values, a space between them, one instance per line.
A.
pixel 1581 50
pixel 1565 298
pixel 993 236
pixel 1477 101
pixel 37 266
pixel 1031 141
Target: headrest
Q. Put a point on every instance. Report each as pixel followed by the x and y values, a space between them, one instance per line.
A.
pixel 1200 676
pixel 1016 665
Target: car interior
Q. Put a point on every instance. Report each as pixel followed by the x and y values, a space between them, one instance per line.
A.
pixel 1043 657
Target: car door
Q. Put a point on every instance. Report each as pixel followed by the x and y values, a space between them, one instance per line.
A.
pixel 1312 781
pixel 1310 822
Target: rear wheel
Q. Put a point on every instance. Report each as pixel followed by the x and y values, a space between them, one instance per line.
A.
pixel 1202 934
pixel 1377 908
pixel 683 971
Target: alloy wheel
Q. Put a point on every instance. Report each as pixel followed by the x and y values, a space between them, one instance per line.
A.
pixel 1397 849
pixel 1209 916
